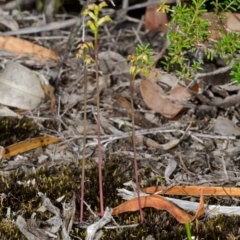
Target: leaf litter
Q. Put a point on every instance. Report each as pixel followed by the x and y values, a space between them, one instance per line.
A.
pixel 175 150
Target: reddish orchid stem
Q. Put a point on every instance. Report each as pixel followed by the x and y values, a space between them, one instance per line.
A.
pixel 134 150
pixel 98 130
pixel 84 144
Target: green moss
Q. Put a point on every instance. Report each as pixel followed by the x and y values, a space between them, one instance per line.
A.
pixel 9 231
pixel 55 183
pixel 14 130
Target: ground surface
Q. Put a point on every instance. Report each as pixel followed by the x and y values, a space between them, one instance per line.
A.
pixel 204 156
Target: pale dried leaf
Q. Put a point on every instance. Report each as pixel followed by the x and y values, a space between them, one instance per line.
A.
pixel 93 228
pixel 20 87
pixel 6 112
pixel 169 80
pixel 172 164
pixel 55 222
pixel 48 204
pixel 65 235
pixel 9 22
pixel 69 210
pixel 224 126
pixel 33 227
pixel 112 63
pixel 22 226
pixel 106 125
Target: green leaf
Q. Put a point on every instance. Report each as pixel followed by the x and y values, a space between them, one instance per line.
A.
pixel 85 12
pixel 103 20
pixel 102 5
pixel 90 45
pixel 92 26
pixel 133 70
pixel 96 11
pixel 93 16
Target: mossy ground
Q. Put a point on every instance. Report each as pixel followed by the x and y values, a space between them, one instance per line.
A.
pixel 55 183
pixel 14 129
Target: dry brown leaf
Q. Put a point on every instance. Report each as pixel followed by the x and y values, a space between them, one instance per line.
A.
pixel 169 106
pixel 178 94
pixel 195 191
pixel 233 21
pixel 23 47
pixel 154 19
pixel 28 145
pixel 160 203
pixel 230 20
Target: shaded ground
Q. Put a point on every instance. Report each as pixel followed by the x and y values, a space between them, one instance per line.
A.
pixel 205 159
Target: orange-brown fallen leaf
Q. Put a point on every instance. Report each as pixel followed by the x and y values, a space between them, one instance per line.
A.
pixel 154 19
pixel 23 47
pixel 195 190
pixel 231 22
pixel 155 98
pixel 28 145
pixel 160 203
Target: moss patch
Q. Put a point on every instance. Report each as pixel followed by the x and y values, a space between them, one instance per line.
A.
pixel 161 225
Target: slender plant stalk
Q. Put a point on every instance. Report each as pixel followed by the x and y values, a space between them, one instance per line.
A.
pixel 93 12
pixel 84 142
pixel 83 47
pixel 188 231
pixel 134 149
pixel 82 52
pixel 142 62
pixel 98 128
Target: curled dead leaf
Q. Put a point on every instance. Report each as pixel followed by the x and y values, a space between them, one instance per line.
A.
pixel 159 202
pixel 155 98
